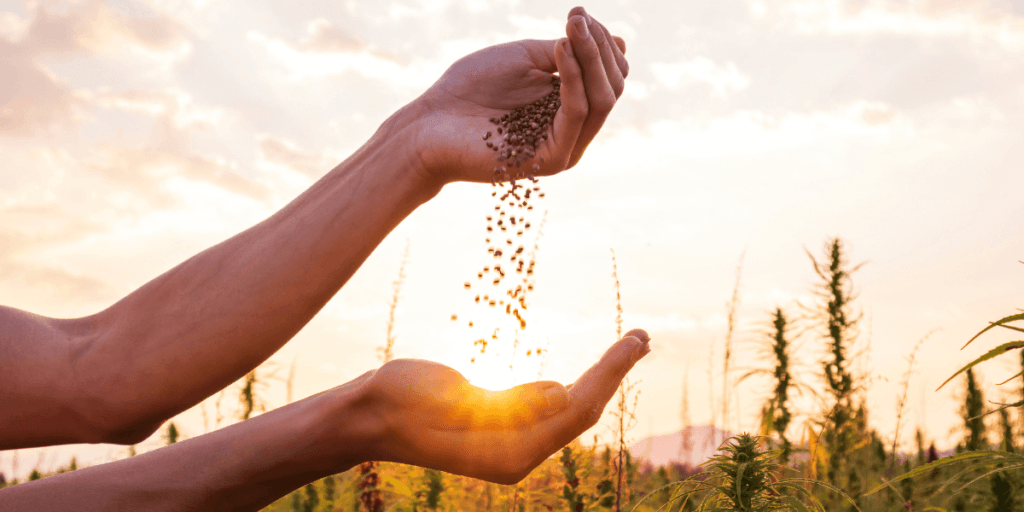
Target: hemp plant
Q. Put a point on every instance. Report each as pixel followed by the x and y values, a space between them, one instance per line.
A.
pixel 975 458
pixel 577 499
pixel 743 477
pixel 775 413
pixel 835 310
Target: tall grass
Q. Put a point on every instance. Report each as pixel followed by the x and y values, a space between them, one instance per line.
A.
pixel 624 409
pixel 731 307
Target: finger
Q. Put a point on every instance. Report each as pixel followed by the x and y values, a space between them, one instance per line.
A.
pixel 572 114
pixel 639 334
pixel 620 43
pixel 615 65
pixel 614 45
pixel 596 387
pixel 600 95
pixel 619 46
pixel 604 45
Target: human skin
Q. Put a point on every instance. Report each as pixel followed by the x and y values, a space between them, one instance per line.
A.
pixel 117 375
pixel 410 411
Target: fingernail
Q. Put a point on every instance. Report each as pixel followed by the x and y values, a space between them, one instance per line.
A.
pixel 581 27
pixel 567 48
pixel 557 399
pixel 639 334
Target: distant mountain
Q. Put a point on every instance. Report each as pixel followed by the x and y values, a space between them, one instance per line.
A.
pixel 668 448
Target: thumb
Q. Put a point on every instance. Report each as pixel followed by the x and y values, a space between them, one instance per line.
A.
pixel 595 388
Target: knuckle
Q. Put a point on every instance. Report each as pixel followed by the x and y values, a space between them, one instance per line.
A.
pixel 618 85
pixel 605 102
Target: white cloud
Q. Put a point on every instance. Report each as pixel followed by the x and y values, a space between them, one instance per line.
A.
pixel 973 18
pixel 723 79
pixel 536 28
pixel 750 132
pixel 306 64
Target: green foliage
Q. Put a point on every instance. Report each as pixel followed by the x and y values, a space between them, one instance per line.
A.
pixel 973 412
pixel 573 490
pixel 835 292
pixel 248 395
pixel 172 434
pixel 778 408
pixel 434 487
pixel 743 478
pixel 1000 350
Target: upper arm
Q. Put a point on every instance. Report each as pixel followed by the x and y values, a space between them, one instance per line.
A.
pixel 40 401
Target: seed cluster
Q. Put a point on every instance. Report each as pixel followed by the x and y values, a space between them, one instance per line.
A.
pixel 521 131
pixel 518 135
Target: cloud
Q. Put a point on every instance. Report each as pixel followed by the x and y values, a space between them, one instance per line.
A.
pixel 146 169
pixel 167 153
pixel 723 79
pixel 747 132
pixel 32 100
pixel 286 154
pixel 330 51
pixel 94 25
pixel 32 227
pixel 326 38
pixel 945 18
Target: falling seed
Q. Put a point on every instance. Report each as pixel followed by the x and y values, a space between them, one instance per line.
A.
pixel 467 285
pixel 455 317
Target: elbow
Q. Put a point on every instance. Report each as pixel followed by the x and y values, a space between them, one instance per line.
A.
pixel 109 410
pixel 113 422
pixel 131 433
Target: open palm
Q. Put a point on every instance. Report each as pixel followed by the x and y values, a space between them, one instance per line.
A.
pixel 435 418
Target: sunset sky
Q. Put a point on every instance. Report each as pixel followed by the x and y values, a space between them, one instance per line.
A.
pixel 135 133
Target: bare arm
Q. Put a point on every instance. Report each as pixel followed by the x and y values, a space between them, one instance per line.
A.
pixel 205 323
pixel 409 411
pixel 117 375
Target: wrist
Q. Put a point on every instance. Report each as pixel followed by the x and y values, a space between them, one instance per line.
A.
pixel 403 134
pixel 350 429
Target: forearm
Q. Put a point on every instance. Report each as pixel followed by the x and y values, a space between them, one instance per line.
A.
pixel 242 467
pixel 209 321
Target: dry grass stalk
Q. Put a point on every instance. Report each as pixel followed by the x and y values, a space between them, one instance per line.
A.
pixel 732 305
pixel 902 401
pixel 624 412
pixel 386 353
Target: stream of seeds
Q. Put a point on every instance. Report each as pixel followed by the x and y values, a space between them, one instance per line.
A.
pixel 514 142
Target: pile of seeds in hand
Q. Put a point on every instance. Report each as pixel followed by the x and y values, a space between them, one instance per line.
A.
pixel 514 142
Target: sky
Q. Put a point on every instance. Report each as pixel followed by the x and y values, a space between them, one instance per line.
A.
pixel 136 133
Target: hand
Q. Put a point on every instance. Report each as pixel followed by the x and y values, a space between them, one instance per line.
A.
pixel 431 416
pixel 495 80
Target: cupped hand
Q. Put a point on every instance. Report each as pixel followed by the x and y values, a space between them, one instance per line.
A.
pixel 493 81
pixel 433 417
